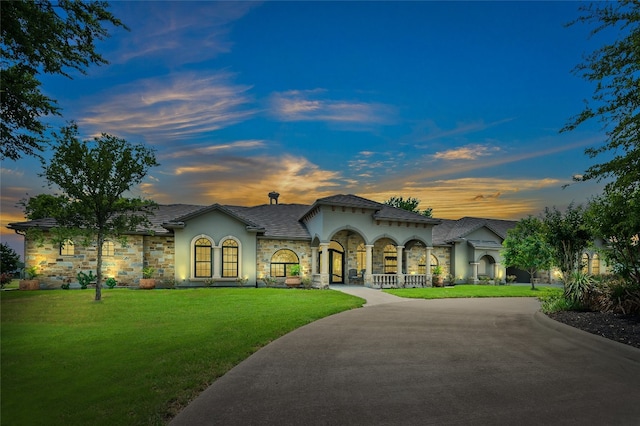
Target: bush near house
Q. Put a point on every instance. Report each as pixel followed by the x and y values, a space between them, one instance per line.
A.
pixel 601 293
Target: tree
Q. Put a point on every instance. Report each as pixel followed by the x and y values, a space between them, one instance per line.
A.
pixel 568 235
pixel 410 204
pixel 615 217
pixel 93 177
pixel 42 37
pixel 9 259
pixel 526 248
pixel 615 69
pixel 9 264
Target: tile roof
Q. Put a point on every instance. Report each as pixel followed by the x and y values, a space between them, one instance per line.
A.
pixel 277 220
pixel 382 211
pixel 451 230
pixel 284 220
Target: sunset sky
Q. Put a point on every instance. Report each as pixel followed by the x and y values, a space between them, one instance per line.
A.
pixel 458 104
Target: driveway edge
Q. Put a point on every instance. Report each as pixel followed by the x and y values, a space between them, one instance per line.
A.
pixel 589 340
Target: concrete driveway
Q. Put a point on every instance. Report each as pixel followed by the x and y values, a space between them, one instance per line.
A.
pixel 429 362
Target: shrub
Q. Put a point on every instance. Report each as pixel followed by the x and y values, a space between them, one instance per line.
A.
pixel 613 294
pixel 5 278
pixel 111 282
pixel 85 279
pixel 554 302
pixel 579 288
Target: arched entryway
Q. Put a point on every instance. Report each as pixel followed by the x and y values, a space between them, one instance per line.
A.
pixel 336 260
pixel 336 263
pixel 486 266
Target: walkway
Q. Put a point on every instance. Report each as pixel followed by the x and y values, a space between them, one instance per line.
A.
pixel 429 362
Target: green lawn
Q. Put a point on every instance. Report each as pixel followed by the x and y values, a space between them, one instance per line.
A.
pixel 137 357
pixel 462 291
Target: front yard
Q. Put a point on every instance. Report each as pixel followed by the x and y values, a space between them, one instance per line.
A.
pixel 463 291
pixel 137 357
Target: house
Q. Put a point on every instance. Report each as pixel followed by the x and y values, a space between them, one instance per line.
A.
pixel 338 239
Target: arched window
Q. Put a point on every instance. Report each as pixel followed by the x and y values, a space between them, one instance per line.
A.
pixel 202 258
pixel 67 248
pixel 108 248
pixel 585 263
pixel 595 264
pixel 361 257
pixel 422 264
pixel 434 262
pixel 282 261
pixel 390 260
pixel 230 259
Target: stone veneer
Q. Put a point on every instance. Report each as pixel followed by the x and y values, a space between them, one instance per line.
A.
pixel 443 254
pixel 267 247
pixel 125 265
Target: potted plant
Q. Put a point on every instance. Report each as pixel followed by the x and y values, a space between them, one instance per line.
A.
pixel 294 279
pixel 438 281
pixel 146 281
pixel 30 282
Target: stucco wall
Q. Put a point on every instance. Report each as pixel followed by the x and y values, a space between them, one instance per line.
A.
pixel 216 225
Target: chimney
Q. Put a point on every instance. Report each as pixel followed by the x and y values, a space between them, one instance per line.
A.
pixel 273 196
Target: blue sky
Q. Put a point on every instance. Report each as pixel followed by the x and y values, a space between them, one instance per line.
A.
pixel 458 104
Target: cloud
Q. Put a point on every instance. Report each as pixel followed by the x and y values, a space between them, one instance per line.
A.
pixel 246 181
pixel 170 108
pixel 199 150
pixel 428 130
pixel 468 152
pixel 167 32
pixel 304 105
pixel 481 197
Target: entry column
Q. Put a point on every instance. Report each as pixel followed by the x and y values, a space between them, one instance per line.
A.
pixel 474 272
pixel 368 278
pixel 324 265
pixel 314 260
pixel 399 274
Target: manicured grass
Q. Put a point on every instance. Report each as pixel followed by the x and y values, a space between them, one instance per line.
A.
pixel 137 357
pixel 461 291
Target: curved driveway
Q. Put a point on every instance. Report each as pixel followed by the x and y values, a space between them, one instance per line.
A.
pixel 429 362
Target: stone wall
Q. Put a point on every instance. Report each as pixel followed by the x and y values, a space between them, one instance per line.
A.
pixel 443 254
pixel 267 247
pixel 125 265
pixel 159 254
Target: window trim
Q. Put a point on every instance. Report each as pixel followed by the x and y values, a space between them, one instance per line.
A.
pixel 192 260
pixel 67 252
pixel 238 257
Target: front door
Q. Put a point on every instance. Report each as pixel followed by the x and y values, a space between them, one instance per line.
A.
pixel 336 271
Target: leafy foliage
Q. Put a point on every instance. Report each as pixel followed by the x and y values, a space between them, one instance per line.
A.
pixel 85 279
pixel 615 217
pixel 9 259
pixel 93 177
pixel 410 204
pixel 578 289
pixel 568 236
pixel 615 70
pixel 526 248
pixel 43 37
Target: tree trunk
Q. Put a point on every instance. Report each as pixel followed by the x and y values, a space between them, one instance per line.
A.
pixel 99 267
pixel 531 274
